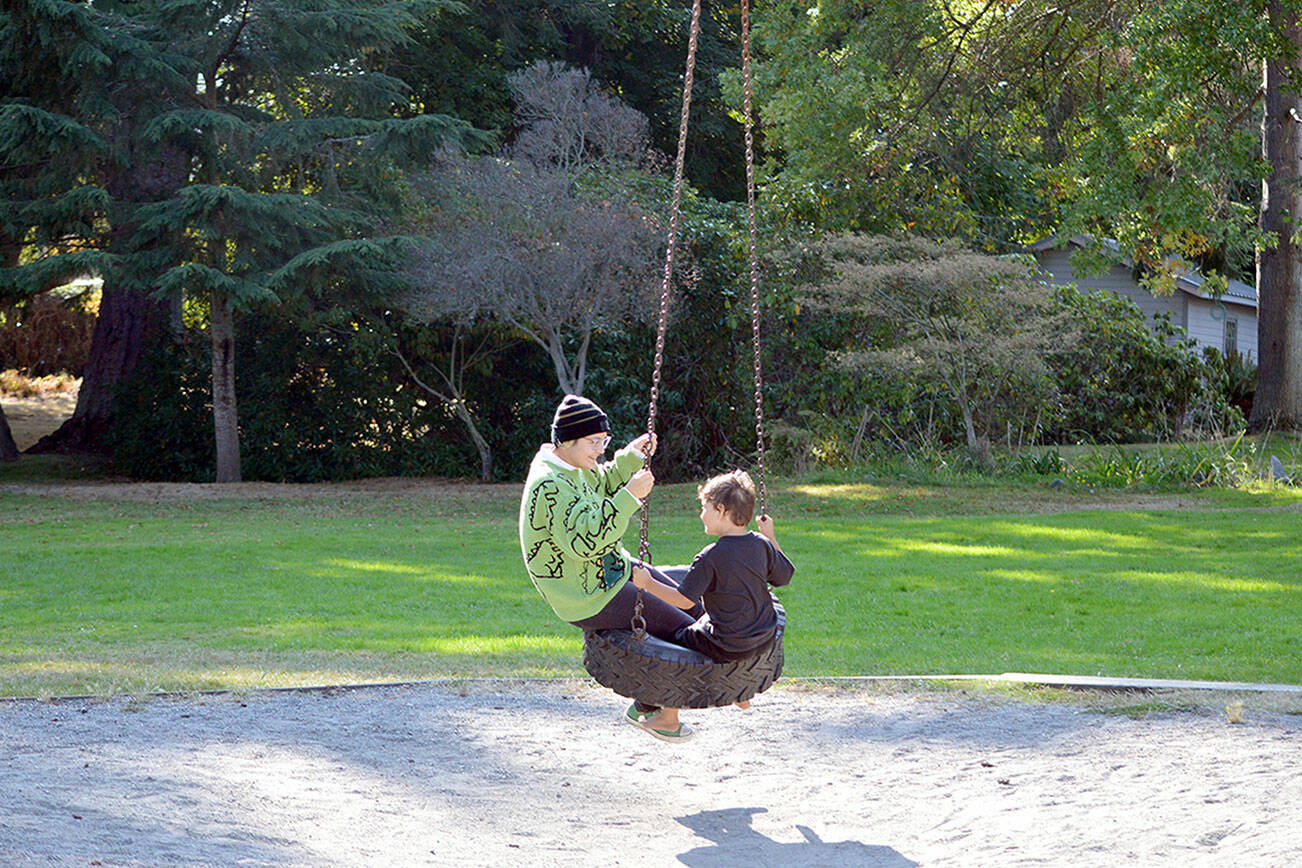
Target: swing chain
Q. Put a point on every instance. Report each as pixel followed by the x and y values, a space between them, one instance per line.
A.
pixel 644 548
pixel 748 97
pixel 639 622
pixel 675 208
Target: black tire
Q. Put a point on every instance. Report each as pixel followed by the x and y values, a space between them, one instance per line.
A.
pixel 661 673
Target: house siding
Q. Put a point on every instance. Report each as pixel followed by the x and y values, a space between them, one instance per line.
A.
pixel 1191 312
pixel 1117 279
pixel 1248 334
pixel 1208 330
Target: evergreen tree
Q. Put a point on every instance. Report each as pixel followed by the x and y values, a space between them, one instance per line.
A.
pixel 260 149
pixel 288 131
pixel 53 56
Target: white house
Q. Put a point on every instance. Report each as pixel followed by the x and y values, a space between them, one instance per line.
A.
pixel 1228 323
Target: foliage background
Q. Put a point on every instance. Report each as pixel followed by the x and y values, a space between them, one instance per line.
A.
pixel 990 125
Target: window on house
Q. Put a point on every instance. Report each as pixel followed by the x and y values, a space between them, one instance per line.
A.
pixel 1231 336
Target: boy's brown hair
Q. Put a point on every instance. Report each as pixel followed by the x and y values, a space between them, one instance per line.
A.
pixel 734 491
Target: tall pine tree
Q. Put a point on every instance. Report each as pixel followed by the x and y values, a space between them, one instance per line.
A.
pixel 260 148
pixel 77 79
pixel 53 54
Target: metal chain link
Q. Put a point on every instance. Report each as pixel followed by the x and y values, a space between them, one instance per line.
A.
pixel 639 622
pixel 644 548
pixel 748 97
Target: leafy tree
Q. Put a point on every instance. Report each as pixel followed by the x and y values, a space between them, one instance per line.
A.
pixel 978 327
pixel 939 118
pixel 542 237
pixel 1126 120
pixel 1182 166
pixel 1165 150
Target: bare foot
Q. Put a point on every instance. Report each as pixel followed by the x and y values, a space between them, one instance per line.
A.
pixel 665 718
pixel 745 703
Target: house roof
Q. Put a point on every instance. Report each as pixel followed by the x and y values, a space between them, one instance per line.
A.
pixel 1190 282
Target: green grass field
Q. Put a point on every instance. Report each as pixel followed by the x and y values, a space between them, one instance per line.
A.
pixel 112 595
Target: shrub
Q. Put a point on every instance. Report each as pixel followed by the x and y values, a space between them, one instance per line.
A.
pixel 47 334
pixel 1236 376
pixel 316 403
pixel 1123 381
pixel 1208 464
pixel 163 418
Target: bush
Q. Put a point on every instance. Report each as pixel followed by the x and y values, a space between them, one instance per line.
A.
pixel 47 334
pixel 316 403
pixel 1236 378
pixel 1124 381
pixel 162 426
pixel 321 404
pixel 1225 465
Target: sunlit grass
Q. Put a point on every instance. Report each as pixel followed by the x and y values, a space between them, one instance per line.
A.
pixel 124 596
pixel 855 492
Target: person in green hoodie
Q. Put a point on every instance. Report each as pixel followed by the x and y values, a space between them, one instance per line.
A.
pixel 573 514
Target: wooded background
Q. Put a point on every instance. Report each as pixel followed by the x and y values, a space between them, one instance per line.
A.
pixel 343 238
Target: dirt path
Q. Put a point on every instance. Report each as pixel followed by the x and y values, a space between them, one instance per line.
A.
pixel 543 774
pixel 30 419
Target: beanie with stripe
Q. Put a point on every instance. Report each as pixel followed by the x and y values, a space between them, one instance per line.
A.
pixel 577 417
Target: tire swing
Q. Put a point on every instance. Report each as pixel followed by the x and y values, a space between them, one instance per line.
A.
pixel 631 662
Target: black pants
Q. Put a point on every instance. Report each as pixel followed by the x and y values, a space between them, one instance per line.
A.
pixel 662 620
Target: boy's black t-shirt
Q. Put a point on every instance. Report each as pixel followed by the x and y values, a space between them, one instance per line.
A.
pixel 731 577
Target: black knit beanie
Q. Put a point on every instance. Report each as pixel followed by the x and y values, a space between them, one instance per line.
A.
pixel 577 417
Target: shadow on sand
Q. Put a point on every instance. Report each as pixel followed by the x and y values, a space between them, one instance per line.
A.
pixel 736 843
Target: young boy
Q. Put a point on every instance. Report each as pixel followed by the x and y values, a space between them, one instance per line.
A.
pixel 730 577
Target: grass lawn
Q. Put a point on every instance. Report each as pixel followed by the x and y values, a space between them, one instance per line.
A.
pixel 102 594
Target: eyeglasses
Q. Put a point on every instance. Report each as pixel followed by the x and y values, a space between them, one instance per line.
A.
pixel 601 443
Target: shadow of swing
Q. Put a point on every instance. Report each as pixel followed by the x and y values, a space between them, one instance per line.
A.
pixel 736 843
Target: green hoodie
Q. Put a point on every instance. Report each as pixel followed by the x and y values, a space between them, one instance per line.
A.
pixel 571 522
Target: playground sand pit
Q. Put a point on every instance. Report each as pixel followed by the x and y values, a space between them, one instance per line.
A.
pixel 544 773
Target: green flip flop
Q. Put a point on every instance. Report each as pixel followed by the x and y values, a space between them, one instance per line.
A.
pixel 682 733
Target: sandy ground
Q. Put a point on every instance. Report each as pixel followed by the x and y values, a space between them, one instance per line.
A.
pixel 544 774
pixel 30 419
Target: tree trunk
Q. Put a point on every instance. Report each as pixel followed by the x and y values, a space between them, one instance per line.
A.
pixel 485 451
pixel 459 406
pixel 225 416
pixel 565 377
pixel 128 322
pixel 8 448
pixel 1278 401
